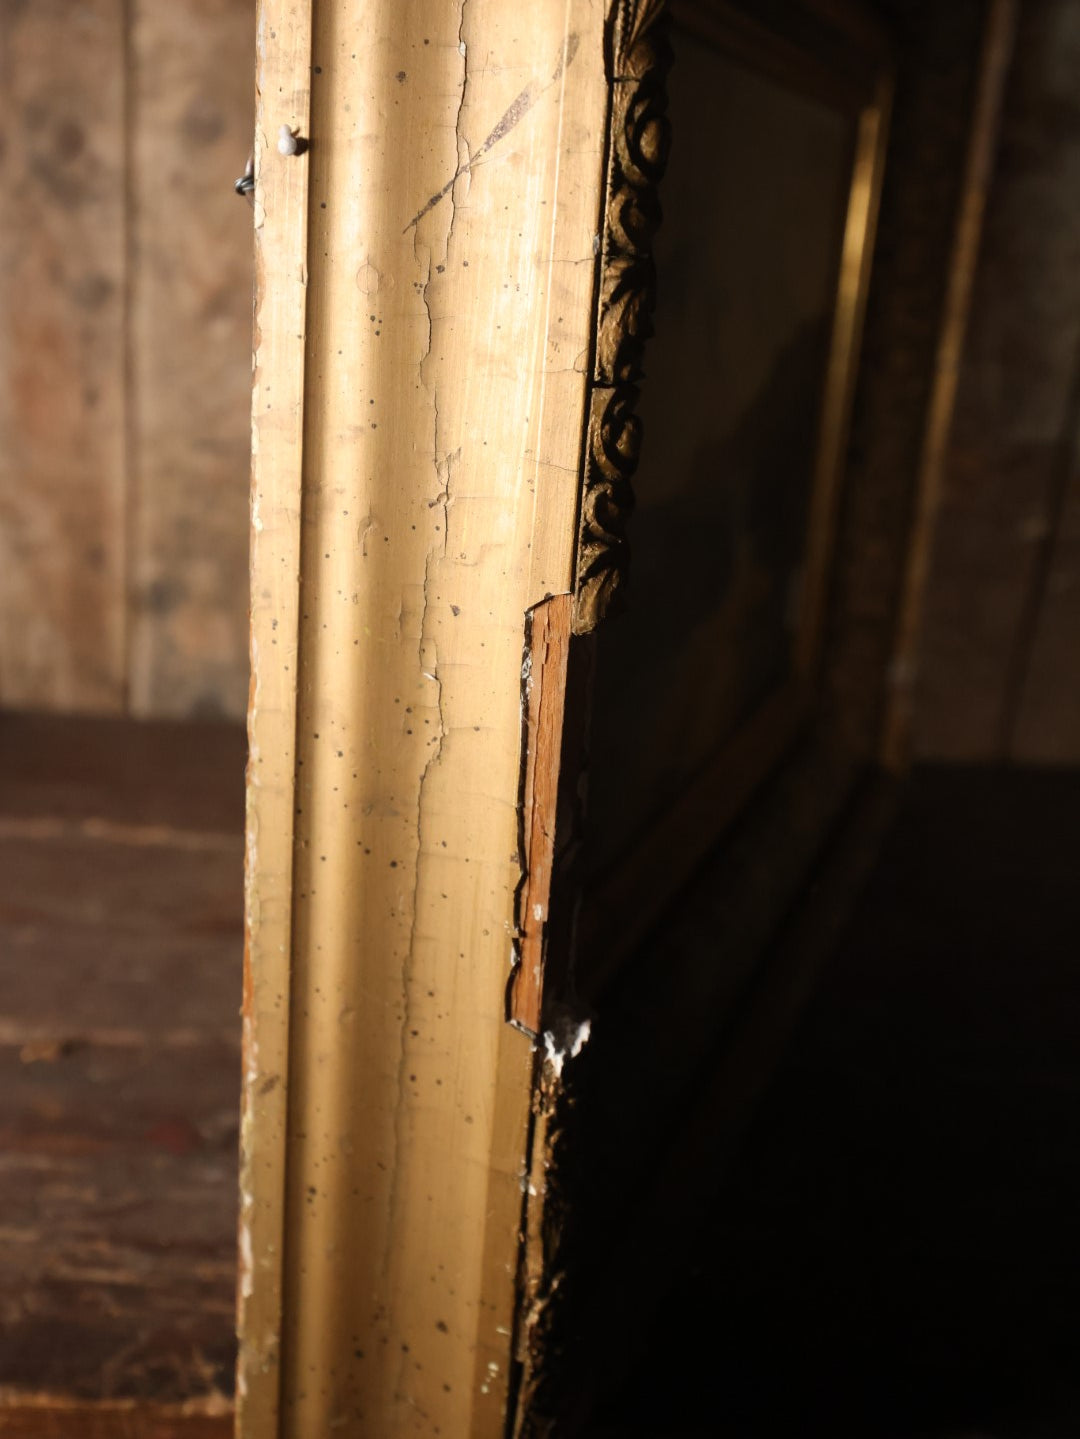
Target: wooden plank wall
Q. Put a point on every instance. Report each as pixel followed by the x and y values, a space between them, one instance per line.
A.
pixel 125 355
pixel 1000 668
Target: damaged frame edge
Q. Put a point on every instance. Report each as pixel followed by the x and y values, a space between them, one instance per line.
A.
pixel 637 59
pixel 544 676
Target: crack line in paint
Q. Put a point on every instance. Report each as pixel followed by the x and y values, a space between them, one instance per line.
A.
pixel 514 113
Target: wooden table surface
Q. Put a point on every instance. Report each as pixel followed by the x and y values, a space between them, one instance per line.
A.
pixel 121 853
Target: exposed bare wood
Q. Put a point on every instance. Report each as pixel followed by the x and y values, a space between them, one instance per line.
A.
pixel 191 117
pixel 543 703
pixel 62 413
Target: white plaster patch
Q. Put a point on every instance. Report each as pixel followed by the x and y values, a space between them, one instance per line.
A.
pixel 576 1042
pixel 247 1262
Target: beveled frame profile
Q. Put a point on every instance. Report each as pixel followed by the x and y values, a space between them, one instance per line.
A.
pixel 425 286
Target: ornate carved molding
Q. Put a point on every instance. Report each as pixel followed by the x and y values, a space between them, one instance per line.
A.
pixel 638 58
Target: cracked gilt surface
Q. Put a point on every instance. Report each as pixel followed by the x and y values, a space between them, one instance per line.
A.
pixel 455 175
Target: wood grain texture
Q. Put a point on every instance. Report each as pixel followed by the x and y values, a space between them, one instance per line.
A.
pixel 125 323
pixel 1014 436
pixel 46 1416
pixel 543 703
pixel 122 772
pixel 119 1083
pixel 192 114
pixel 63 454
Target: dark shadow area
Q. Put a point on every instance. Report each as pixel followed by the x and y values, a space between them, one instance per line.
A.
pixel 895 1250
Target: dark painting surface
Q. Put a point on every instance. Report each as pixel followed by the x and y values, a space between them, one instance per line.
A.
pixel 754 205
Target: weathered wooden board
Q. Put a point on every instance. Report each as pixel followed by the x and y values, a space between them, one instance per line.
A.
pixel 119 938
pixel 125 356
pixel 120 950
pixel 43 1416
pixel 192 114
pixel 62 300
pixel 174 776
pixel 117 1246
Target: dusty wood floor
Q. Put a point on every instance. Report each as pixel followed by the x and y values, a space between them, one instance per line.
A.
pixel 897 1249
pixel 120 954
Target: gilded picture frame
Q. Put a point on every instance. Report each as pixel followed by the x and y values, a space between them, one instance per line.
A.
pixel 817 63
